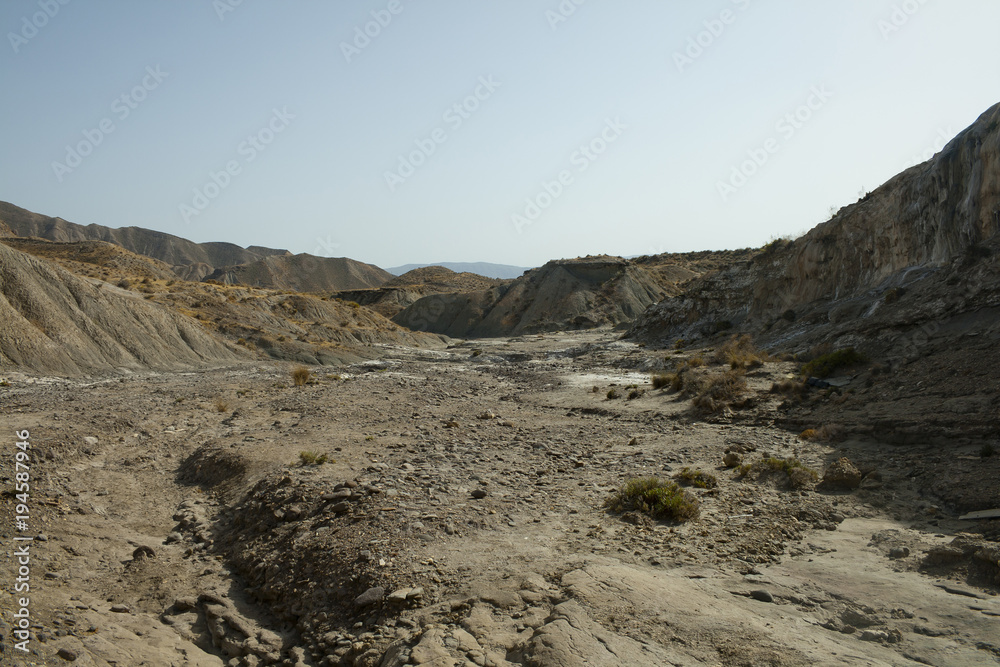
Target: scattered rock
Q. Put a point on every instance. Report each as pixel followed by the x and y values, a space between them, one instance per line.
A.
pixel 762 595
pixel 67 654
pixel 842 475
pixel 479 493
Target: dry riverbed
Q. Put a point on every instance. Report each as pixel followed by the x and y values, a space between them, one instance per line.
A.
pixel 458 519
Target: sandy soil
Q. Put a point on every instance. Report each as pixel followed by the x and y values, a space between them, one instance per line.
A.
pixel 459 520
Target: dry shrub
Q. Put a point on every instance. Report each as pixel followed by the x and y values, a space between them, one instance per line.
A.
pixel 739 352
pixel 301 376
pixel 220 405
pixel 715 392
pixel 790 387
pixel 660 380
pixel 696 361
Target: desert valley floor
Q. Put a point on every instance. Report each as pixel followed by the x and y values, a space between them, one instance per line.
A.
pixel 459 519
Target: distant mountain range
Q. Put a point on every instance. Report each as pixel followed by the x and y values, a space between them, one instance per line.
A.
pixel 501 271
pixel 196 261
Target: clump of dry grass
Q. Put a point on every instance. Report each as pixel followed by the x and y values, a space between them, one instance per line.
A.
pixel 660 380
pixel 613 394
pixel 301 376
pixel 739 352
pixel 715 392
pixel 790 387
pixel 220 404
pixel 659 499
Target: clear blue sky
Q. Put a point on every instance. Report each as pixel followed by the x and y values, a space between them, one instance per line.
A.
pixel 888 81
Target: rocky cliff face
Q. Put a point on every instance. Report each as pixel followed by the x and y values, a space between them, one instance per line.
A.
pixel 918 223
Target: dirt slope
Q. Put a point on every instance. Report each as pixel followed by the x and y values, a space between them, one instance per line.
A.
pixel 52 321
pixel 168 248
pixel 303 273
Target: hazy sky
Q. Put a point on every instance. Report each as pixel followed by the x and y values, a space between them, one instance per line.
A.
pixel 512 131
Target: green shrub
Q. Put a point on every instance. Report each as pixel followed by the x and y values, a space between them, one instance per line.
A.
pixel 659 499
pixel 740 352
pixel 826 365
pixel 312 459
pixel 698 478
pixel 613 394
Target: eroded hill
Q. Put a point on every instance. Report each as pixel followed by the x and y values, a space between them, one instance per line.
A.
pixel 192 261
pixel 404 290
pixel 303 273
pixel 55 322
pixel 567 294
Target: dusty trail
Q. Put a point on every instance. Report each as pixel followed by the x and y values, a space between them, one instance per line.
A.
pixel 459 520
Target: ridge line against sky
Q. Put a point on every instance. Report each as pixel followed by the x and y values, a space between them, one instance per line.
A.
pixel 397 132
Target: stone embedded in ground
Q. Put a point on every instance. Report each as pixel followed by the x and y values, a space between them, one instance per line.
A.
pixel 761 595
pixel 479 493
pixel 371 596
pixel 67 654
